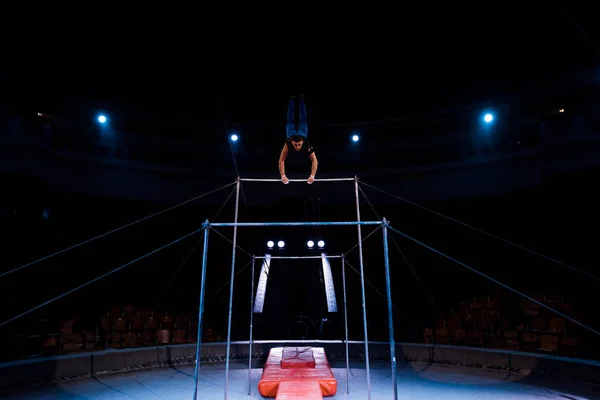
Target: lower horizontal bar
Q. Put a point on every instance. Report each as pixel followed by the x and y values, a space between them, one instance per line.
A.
pixel 295 180
pixel 236 342
pixel 294 257
pixel 294 223
pixel 325 341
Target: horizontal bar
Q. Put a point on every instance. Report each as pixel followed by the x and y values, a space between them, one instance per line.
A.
pixel 295 180
pixel 236 342
pixel 295 223
pixel 323 341
pixel 295 257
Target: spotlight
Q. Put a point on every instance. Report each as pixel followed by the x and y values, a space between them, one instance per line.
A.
pixel 270 244
pixel 101 119
pixel 281 244
pixel 234 138
pixel 488 118
pixel 310 244
pixel 321 244
pixel 355 138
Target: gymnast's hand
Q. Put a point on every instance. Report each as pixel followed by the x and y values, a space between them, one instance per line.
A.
pixel 310 180
pixel 285 179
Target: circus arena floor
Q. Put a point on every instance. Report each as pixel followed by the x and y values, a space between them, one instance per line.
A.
pixel 414 381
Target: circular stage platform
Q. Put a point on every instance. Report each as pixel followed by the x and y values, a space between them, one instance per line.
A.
pixel 173 377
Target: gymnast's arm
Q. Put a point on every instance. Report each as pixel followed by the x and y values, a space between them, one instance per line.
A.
pixel 282 157
pixel 314 164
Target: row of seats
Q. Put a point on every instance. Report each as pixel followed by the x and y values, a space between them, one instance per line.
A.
pixel 491 322
pixel 119 327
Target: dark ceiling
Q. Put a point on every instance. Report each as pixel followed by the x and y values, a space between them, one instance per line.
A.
pixel 395 64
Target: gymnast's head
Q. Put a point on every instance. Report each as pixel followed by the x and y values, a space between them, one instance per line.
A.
pixel 297 142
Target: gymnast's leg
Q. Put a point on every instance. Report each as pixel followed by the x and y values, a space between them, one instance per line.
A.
pixel 303 121
pixel 290 126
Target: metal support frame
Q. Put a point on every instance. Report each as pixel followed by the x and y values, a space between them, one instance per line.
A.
pixel 388 288
pixel 250 341
pixel 234 244
pixel 346 326
pixel 201 308
pixel 358 223
pixel 251 329
pixel 362 290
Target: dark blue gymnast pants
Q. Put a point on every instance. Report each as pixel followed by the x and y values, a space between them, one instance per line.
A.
pixel 290 127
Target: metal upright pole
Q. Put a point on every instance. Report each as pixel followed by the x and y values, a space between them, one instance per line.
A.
pixel 362 286
pixel 346 325
pixel 251 320
pixel 201 308
pixel 388 288
pixel 237 203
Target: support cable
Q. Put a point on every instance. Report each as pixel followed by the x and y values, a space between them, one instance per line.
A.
pixel 486 233
pixel 113 231
pixel 229 281
pixel 494 280
pixel 585 36
pixel 230 241
pixel 404 257
pixel 101 276
pixel 193 249
pixel 363 240
pixel 381 294
pixel 179 270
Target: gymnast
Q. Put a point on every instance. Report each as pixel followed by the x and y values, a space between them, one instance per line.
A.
pixel 296 140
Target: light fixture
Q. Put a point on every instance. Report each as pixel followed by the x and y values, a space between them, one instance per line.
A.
pixel 321 244
pixel 270 244
pixel 310 244
pixel 281 244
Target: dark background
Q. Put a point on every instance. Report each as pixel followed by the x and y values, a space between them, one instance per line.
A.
pixel 435 69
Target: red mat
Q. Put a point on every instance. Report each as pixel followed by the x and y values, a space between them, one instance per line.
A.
pixel 297 357
pixel 297 375
pixel 299 391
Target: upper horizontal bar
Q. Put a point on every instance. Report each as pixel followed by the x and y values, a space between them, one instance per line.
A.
pixel 294 223
pixel 296 257
pixel 295 180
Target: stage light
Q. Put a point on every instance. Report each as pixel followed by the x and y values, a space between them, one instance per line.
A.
pixel 310 244
pixel 270 244
pixel 234 138
pixel 321 244
pixel 281 244
pixel 101 119
pixel 562 110
pixel 355 138
pixel 488 118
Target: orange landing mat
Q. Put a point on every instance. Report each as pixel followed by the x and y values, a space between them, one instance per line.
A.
pixel 298 357
pixel 299 391
pixel 299 375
